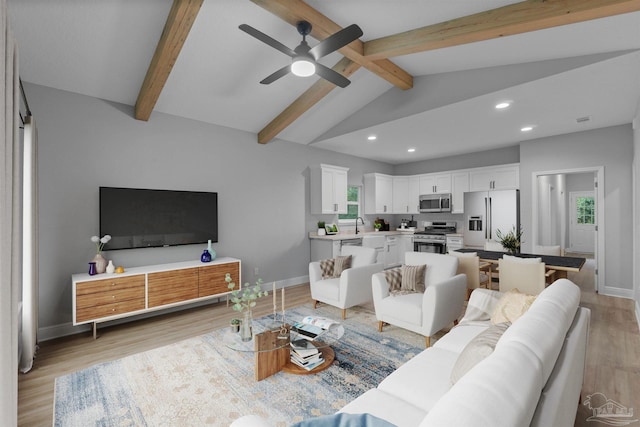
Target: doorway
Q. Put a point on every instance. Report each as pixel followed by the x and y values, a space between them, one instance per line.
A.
pixel 565 213
pixel 582 222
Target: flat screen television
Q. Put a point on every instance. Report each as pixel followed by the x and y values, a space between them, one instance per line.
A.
pixel 141 218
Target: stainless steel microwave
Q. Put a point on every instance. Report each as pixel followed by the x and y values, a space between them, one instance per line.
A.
pixel 435 202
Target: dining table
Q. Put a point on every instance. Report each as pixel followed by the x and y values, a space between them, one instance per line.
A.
pixel 561 264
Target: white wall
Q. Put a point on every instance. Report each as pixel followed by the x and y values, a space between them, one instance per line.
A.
pixel 609 147
pixel 85 143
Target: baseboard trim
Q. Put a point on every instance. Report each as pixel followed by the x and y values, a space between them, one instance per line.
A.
pixel 65 329
pixel 617 292
pixel 638 313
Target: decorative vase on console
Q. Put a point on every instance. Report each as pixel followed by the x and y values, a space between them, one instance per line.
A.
pixel 206 256
pixel 101 262
pixel 110 267
pixel 211 251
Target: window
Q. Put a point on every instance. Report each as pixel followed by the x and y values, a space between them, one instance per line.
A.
pixel 585 210
pixel 353 206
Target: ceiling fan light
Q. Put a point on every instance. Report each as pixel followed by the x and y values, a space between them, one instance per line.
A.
pixel 303 67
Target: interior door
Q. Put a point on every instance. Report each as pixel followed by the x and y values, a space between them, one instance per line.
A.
pixel 583 217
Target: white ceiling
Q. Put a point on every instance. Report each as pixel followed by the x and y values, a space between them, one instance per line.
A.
pixel 103 49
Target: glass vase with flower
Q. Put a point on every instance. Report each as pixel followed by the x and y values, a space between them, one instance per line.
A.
pixel 244 300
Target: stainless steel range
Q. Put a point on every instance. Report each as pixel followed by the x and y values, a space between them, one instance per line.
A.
pixel 434 237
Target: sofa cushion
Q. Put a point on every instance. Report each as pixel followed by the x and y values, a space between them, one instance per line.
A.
pixel 502 390
pixel 386 406
pixel 459 336
pixel 326 268
pixel 477 349
pixel 406 308
pixel 544 328
pixel 422 380
pixel 340 264
pixel 512 305
pixel 328 289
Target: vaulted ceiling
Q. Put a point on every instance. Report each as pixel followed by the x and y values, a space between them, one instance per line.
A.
pixel 425 74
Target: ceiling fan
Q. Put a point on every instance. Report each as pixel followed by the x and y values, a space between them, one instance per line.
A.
pixel 304 58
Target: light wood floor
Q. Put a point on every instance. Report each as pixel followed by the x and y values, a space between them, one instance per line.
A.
pixel 613 360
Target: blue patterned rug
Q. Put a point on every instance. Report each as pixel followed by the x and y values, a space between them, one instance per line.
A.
pixel 201 382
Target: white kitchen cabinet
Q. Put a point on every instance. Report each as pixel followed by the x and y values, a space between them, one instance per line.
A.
pixel 406 245
pixel 435 183
pixel 328 189
pixel 378 193
pixel 392 249
pixel 406 192
pixel 495 178
pixel 459 185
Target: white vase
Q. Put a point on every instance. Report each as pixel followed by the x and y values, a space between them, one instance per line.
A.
pixel 110 267
pixel 101 263
pixel 321 231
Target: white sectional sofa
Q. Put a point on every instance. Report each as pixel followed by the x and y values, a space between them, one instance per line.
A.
pixel 532 378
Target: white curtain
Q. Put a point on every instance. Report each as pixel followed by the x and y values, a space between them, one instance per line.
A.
pixel 10 223
pixel 29 328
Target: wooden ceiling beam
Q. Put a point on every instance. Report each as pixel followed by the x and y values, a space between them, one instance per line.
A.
pixel 518 18
pixel 308 99
pixel 293 11
pixel 179 22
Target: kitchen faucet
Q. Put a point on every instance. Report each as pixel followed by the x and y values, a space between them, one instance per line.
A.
pixel 359 218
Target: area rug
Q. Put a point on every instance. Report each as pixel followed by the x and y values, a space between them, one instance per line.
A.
pixel 201 382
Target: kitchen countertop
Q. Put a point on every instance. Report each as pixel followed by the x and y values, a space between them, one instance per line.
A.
pixel 346 236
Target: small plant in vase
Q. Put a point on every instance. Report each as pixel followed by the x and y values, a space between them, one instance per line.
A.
pixel 377 226
pixel 101 262
pixel 510 241
pixel 321 230
pixel 235 325
pixel 244 300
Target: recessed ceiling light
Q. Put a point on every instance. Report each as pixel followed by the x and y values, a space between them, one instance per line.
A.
pixel 526 129
pixel 411 150
pixel 503 105
pixel 372 137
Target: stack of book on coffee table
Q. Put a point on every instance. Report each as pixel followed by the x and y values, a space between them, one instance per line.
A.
pixel 305 354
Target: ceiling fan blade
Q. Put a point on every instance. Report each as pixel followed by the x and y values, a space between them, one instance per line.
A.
pixel 275 76
pixel 336 41
pixel 332 76
pixel 267 39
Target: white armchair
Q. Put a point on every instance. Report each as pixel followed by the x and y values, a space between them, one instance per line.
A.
pixel 353 287
pixel 426 314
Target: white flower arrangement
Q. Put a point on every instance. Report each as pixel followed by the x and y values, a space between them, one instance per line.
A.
pixel 100 241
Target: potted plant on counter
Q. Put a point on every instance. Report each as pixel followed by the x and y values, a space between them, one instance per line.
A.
pixel 321 230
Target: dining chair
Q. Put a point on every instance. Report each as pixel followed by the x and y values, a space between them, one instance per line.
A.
pixel 478 274
pixel 552 251
pixel 528 275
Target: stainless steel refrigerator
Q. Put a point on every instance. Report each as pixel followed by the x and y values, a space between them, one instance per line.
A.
pixel 488 211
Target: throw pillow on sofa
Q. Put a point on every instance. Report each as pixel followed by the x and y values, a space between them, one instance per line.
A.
pixel 477 349
pixel 511 306
pixel 326 268
pixel 394 279
pixel 413 278
pixel 340 264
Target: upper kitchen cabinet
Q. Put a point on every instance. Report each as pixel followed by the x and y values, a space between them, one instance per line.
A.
pixel 435 183
pixel 378 193
pixel 495 178
pixel 406 194
pixel 328 189
pixel 459 186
